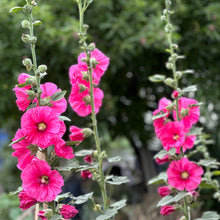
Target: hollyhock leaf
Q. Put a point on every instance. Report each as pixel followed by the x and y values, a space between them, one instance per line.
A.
pixel 216 173
pixel 64 118
pixel 14 142
pixel 161 178
pixel 69 166
pixel 38 22
pixel 82 199
pixel 63 196
pixel 108 214
pixel 208 162
pixel 207 185
pixel 58 95
pixel 192 88
pixel 114 159
pixel 196 104
pixel 210 215
pixel 33 105
pixel 157 78
pixel 72 142
pixel 109 177
pixel 18 190
pixel 83 153
pixel 16 9
pixel 118 180
pixel 87 167
pixel 162 153
pixel 33 149
pixel 118 205
pixel 194 131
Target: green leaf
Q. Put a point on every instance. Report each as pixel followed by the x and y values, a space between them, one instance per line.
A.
pixel 83 153
pixel 192 88
pixel 109 177
pixel 208 162
pixel 114 159
pixel 196 104
pixel 162 153
pixel 16 9
pixel 209 216
pixel 14 142
pixel 118 180
pixel 71 143
pixel 58 95
pixel 216 173
pixel 108 214
pixel 157 78
pixel 118 205
pixel 195 131
pixel 69 166
pixel 161 178
pixel 18 190
pixel 63 196
pixel 37 23
pixel 64 118
pixel 33 149
pixel 82 199
pixel 207 185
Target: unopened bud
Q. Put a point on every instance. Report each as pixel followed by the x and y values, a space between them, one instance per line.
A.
pixel 169 65
pixel 85 75
pixel 170 82
pixel 42 68
pixel 86 132
pixel 82 87
pixel 33 40
pixel 31 95
pixel 216 195
pixel 168 28
pixel 184 112
pixel 168 3
pixel 26 38
pixel 95 153
pixel 27 62
pixel 175 46
pixel 183 218
pixel 103 155
pixel 97 207
pixel 175 94
pixel 91 47
pixel 175 56
pixel 163 18
pixel 25 24
pixel 87 100
pixel 85 27
pixel 34 3
pixel 178 74
pixel 93 62
pixel 27 9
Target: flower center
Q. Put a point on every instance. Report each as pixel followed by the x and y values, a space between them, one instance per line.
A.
pixel 44 179
pixel 176 137
pixel 41 126
pixel 184 175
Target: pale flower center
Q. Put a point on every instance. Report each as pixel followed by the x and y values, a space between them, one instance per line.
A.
pixel 184 175
pixel 41 126
pixel 44 179
pixel 176 137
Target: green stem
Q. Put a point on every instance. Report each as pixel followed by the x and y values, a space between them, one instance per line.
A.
pixel 186 210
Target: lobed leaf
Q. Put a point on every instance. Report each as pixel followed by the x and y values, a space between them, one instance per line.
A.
pixel 114 159
pixel 63 196
pixel 82 199
pixel 161 178
pixel 118 180
pixel 157 78
pixel 162 153
pixel 58 95
pixel 83 153
pixel 210 215
pixel 208 162
pixel 16 9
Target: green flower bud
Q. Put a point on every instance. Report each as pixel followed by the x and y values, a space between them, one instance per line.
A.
pixel 34 3
pixel 42 68
pixel 87 100
pixel 169 65
pixel 175 46
pixel 96 154
pixel 26 38
pixel 178 74
pixel 82 87
pixel 48 213
pixel 168 3
pixel 163 18
pixel 168 28
pixel 27 62
pixel 25 24
pixel 86 132
pixel 85 75
pixel 27 9
pixel 184 112
pixel 93 62
pixel 85 27
pixel 103 155
pixel 97 207
pixel 33 40
pixel 91 47
pixel 31 95
pixel 170 82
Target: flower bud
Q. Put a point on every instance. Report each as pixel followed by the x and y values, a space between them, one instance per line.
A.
pixel 175 94
pixel 184 112
pixel 27 9
pixel 42 68
pixel 25 24
pixel 168 28
pixel 27 62
pixel 175 46
pixel 91 47
pixel 86 132
pixel 163 18
pixel 48 213
pixel 93 62
pixel 34 40
pixel 85 27
pixel 34 3
pixel 178 74
pixel 97 207
pixel 168 3
pixel 95 154
pixel 31 95
pixel 169 65
pixel 82 87
pixel 26 38
pixel 87 100
pixel 103 155
pixel 170 82
pixel 85 75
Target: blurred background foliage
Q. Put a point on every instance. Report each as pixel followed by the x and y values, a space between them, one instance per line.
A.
pixel 131 33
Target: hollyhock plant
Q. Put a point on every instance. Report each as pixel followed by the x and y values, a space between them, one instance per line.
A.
pixel 40 182
pixel 164 191
pixel 167 210
pixel 101 66
pixel 21 151
pixel 191 114
pixel 25 200
pixel 40 125
pixel 184 174
pixel 68 211
pixel 172 135
pixel 86 174
pixel 41 214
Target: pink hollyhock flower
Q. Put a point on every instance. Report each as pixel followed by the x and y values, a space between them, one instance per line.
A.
pixel 40 182
pixel 163 160
pixel 189 142
pixel 184 174
pixel 81 101
pixel 86 174
pixel 101 66
pixel 191 113
pixel 41 214
pixel 88 159
pixel 164 191
pixel 75 74
pixel 26 201
pixel 48 89
pixel 172 135
pixel 76 134
pixel 21 151
pixel 167 210
pixel 175 94
pixel 22 79
pixel 61 149
pixel 40 125
pixel 68 211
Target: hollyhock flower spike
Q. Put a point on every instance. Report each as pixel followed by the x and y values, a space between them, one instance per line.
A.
pixel 21 151
pixel 184 174
pixel 68 211
pixel 40 182
pixel 167 210
pixel 101 66
pixel 40 125
pixel 26 201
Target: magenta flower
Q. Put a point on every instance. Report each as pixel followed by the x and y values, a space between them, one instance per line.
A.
pixel 76 134
pixel 81 101
pixel 21 151
pixel 172 135
pixel 61 149
pixel 189 142
pixel 86 174
pixel 163 160
pixel 75 74
pixel 184 174
pixel 26 201
pixel 22 79
pixel 41 214
pixel 48 89
pixel 191 114
pixel 164 191
pixel 40 125
pixel 167 210
pixel 88 159
pixel 68 211
pixel 40 182
pixel 101 66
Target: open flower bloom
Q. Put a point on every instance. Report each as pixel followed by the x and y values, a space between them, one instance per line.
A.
pixel 188 115
pixel 101 66
pixel 21 151
pixel 76 134
pixel 40 125
pixel 26 201
pixel 68 211
pixel 40 182
pixel 172 135
pixel 167 210
pixel 184 174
